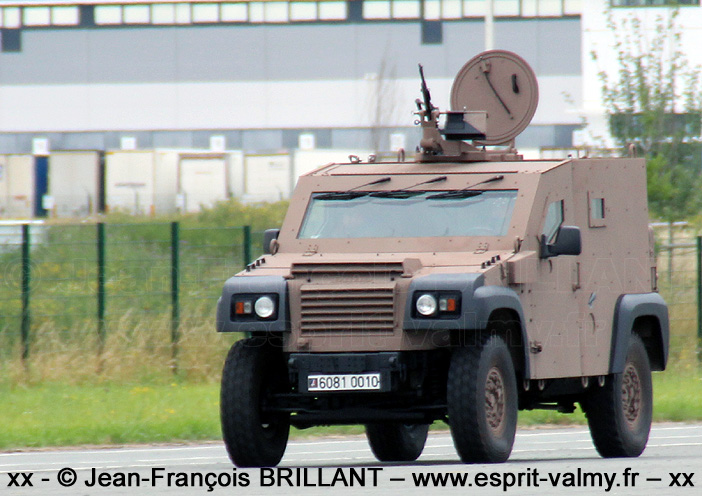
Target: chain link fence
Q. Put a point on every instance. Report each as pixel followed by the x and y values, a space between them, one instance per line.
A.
pixel 679 253
pixel 114 299
pixel 129 301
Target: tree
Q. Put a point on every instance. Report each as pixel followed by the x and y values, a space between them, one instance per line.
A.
pixel 653 102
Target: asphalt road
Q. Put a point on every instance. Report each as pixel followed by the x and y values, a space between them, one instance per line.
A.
pixel 544 461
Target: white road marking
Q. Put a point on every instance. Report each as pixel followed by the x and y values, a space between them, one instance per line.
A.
pixel 439 446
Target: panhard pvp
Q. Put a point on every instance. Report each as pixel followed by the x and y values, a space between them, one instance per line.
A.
pixel 463 286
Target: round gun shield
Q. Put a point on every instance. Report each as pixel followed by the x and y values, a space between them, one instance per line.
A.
pixel 502 84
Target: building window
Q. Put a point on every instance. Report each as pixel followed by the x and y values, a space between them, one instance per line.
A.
pixel 36 16
pixel 376 9
pixel 137 14
pixel 550 8
pixel 405 9
pixel 572 7
pixel 506 8
pixel 652 3
pixel 65 16
pixel 256 12
pixel 11 17
pixel 163 13
pixel 303 11
pixel 108 14
pixel 332 11
pixel 205 12
pixel 234 12
pixel 432 10
pixel 277 12
pixel 183 13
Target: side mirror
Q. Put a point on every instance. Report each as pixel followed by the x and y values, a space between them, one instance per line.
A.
pixel 568 242
pixel 268 236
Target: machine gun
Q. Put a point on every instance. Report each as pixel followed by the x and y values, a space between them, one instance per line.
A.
pixel 428 107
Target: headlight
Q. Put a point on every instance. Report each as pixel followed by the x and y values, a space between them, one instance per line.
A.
pixel 254 307
pixel 264 307
pixel 426 305
pixel 441 304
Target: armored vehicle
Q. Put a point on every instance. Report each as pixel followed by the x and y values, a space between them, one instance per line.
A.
pixel 463 286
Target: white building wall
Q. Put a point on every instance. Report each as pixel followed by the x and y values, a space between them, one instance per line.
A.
pixel 243 105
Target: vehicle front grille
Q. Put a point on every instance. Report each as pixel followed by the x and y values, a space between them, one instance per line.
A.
pixel 344 309
pixel 348 271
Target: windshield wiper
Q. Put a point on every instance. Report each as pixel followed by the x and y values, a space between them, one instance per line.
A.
pixel 350 194
pixel 403 192
pixel 466 192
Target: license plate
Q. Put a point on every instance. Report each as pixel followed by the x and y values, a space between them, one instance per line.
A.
pixel 344 382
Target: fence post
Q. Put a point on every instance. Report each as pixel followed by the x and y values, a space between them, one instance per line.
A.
pixel 699 298
pixel 101 289
pixel 247 245
pixel 175 305
pixel 670 255
pixel 26 281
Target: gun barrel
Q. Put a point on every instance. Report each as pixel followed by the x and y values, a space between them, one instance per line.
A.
pixel 428 107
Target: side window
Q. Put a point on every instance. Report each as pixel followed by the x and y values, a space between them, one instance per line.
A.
pixel 554 219
pixel 596 210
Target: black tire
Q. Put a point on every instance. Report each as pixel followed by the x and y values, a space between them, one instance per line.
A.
pixel 397 442
pixel 619 413
pixel 482 401
pixel 252 370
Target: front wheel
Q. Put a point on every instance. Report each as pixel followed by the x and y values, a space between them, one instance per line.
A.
pixel 482 401
pixel 253 436
pixel 619 413
pixel 397 442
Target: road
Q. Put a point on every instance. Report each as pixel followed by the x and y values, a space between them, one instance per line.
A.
pixel 550 461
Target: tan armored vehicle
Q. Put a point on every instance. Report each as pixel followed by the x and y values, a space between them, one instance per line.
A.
pixel 463 286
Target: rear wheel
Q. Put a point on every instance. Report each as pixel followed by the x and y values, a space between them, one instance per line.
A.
pixel 619 413
pixel 253 436
pixel 482 401
pixel 397 442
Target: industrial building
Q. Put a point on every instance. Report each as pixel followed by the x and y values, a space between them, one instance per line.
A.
pixel 203 88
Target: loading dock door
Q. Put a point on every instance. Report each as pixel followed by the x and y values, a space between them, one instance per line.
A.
pixel 203 181
pixel 41 184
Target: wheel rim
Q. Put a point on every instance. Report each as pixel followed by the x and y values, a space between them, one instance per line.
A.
pixel 495 400
pixel 631 394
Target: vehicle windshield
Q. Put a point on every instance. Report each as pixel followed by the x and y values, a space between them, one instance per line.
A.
pixel 421 214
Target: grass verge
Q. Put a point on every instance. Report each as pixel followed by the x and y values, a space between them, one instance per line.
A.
pixel 67 415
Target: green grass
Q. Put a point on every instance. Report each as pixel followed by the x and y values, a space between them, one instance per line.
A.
pixel 678 396
pixel 88 414
pixel 57 415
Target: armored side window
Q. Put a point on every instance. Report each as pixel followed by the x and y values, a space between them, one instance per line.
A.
pixel 554 219
pixel 596 211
